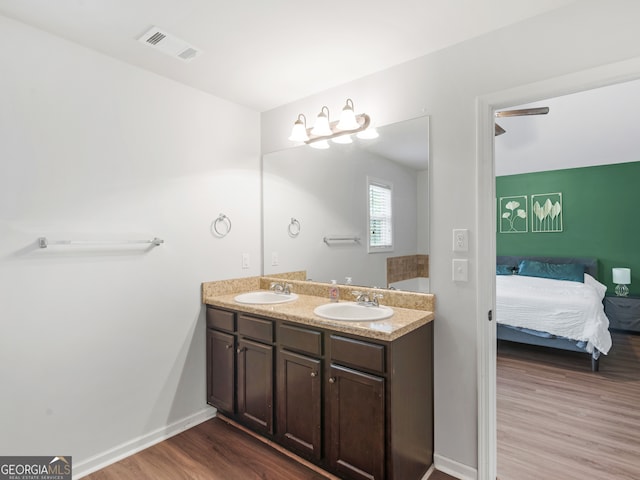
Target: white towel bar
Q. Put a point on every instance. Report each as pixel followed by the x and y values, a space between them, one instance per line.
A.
pixel 43 242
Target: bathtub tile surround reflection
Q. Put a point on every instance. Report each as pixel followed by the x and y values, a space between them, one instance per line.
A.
pixel 407 267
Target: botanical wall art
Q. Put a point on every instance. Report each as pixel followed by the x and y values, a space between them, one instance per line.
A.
pixel 513 214
pixel 547 212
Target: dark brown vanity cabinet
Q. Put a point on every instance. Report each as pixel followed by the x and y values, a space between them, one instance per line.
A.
pixel 221 365
pixel 299 394
pixel 221 359
pixel 240 379
pixel 255 372
pixel 357 407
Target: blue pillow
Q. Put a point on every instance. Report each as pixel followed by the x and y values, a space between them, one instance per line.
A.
pixel 505 269
pixel 573 272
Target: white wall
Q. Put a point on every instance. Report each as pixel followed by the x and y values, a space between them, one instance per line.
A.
pixel 445 85
pixel 326 191
pixel 103 349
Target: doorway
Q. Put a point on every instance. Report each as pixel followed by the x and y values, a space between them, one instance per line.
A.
pixel 486 195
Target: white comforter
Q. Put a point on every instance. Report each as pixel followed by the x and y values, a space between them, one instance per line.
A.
pixel 563 308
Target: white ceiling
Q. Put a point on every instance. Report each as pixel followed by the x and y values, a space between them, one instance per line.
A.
pixel 266 53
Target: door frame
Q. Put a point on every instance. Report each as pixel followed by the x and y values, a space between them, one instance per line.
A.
pixel 486 105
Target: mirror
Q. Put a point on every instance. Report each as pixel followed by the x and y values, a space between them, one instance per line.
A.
pixel 316 208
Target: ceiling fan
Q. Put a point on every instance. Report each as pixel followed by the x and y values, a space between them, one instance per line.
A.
pixel 518 113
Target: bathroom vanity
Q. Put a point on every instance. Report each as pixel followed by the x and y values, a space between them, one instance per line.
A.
pixel 355 398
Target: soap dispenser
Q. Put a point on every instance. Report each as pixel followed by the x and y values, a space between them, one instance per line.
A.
pixel 334 293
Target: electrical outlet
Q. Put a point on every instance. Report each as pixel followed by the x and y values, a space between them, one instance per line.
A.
pixel 275 261
pixel 245 260
pixel 460 240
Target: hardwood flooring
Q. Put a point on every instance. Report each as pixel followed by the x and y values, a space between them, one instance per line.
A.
pixel 213 450
pixel 556 419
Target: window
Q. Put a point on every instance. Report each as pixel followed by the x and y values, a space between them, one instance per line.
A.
pixel 380 216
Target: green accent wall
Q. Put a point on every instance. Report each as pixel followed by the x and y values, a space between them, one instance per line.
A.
pixel 601 217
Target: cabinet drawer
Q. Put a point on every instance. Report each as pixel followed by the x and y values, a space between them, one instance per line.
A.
pixel 255 328
pixel 220 319
pixel 356 353
pixel 300 339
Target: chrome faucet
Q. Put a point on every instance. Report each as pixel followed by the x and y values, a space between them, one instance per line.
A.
pixel 363 298
pixel 283 288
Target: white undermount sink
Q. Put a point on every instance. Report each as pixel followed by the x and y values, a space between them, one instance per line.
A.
pixel 265 297
pixel 353 312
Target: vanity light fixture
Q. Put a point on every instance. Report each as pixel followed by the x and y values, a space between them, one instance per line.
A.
pixel 338 131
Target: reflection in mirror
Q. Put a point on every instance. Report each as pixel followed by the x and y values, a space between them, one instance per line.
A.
pixel 323 196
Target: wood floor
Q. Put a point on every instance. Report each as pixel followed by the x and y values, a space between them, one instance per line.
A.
pixel 556 419
pixel 213 450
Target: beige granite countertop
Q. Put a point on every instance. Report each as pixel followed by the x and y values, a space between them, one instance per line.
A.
pixel 404 320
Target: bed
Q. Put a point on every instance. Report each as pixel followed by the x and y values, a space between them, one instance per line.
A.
pixel 543 302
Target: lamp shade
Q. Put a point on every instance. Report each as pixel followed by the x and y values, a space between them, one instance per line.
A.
pixel 342 139
pixel 299 131
pixel 368 134
pixel 320 145
pixel 621 276
pixel 348 118
pixel 321 127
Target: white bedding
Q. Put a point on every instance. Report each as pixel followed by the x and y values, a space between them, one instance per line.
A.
pixel 563 308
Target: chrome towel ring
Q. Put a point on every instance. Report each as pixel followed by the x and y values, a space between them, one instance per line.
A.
pixel 221 226
pixel 294 228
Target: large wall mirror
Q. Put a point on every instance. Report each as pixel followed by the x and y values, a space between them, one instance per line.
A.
pixel 316 206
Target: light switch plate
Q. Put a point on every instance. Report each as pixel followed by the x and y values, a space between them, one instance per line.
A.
pixel 460 240
pixel 245 260
pixel 460 270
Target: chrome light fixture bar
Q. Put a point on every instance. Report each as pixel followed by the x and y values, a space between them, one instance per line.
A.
pixel 339 131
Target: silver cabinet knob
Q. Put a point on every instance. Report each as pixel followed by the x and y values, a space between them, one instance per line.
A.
pixel 314 374
pixel 332 380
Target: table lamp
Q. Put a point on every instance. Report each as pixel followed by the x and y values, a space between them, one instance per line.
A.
pixel 622 278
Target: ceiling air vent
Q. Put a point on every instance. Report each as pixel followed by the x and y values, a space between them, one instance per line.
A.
pixel 169 44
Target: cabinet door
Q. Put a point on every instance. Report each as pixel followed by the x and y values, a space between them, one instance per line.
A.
pixel 299 403
pixel 255 384
pixel 356 424
pixel 221 367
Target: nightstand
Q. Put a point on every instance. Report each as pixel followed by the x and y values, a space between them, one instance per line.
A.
pixel 623 312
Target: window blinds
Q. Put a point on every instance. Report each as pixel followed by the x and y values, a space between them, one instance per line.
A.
pixel 380 218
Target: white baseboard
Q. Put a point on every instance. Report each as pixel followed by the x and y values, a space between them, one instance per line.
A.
pixel 432 469
pixel 455 469
pixel 137 444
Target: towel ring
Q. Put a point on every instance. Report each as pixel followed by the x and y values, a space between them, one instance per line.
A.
pixel 225 222
pixel 294 228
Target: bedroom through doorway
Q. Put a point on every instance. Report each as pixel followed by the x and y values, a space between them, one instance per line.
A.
pixel 565 175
